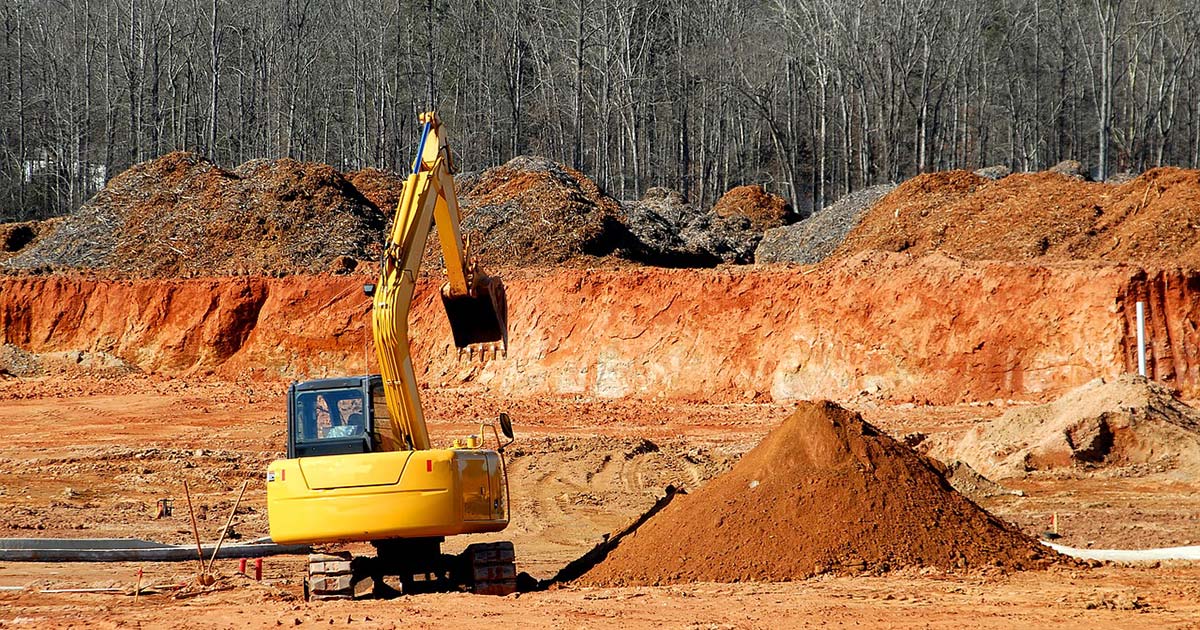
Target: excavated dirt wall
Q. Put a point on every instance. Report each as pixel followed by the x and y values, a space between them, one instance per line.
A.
pixel 933 329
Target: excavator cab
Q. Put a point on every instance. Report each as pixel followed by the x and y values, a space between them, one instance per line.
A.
pixel 335 416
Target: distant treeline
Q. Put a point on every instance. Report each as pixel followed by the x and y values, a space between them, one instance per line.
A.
pixel 811 98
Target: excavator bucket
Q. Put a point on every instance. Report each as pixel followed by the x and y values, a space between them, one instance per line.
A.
pixel 479 319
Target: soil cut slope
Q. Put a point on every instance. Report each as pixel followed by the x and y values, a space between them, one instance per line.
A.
pixel 823 492
pixel 887 327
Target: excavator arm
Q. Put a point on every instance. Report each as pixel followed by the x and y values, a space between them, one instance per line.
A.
pixel 475 302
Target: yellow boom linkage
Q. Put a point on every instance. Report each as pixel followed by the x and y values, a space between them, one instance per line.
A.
pixel 475 302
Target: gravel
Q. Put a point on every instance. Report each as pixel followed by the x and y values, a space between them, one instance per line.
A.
pixel 813 239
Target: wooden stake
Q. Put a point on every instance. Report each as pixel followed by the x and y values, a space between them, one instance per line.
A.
pixel 227 524
pixel 195 532
pixel 138 590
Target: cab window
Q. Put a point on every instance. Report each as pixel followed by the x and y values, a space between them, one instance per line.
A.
pixel 328 414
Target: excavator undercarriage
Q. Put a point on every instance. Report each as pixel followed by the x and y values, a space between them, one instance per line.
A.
pixel 411 566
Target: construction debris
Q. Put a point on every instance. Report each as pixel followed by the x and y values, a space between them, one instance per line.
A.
pixel 182 215
pixel 532 211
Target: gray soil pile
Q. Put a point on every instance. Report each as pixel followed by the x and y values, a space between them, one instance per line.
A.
pixel 672 232
pixel 1126 421
pixel 182 215
pixel 824 492
pixel 968 481
pixel 815 238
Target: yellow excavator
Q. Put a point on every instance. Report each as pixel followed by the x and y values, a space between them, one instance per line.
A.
pixel 360 466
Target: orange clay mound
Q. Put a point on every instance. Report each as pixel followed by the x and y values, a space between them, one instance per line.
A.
pixel 1153 219
pixel 823 492
pixel 763 209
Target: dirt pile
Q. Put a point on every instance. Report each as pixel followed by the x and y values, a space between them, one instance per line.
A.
pixel 968 481
pixel 1152 219
pixel 382 188
pixel 674 233
pixel 1128 420
pixel 763 209
pixel 532 211
pixel 183 215
pixel 16 237
pixel 815 238
pixel 823 492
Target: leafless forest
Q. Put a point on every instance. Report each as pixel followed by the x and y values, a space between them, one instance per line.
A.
pixel 811 98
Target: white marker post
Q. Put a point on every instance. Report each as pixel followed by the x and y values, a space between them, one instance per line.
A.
pixel 1141 337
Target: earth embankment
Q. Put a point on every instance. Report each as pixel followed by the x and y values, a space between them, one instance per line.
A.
pixel 886 326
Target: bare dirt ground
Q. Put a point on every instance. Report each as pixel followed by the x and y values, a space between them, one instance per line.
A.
pixel 87 457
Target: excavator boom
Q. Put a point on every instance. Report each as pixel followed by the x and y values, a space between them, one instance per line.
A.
pixel 475 303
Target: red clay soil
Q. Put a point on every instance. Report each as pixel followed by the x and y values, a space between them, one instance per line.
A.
pixel 764 209
pixel 882 326
pixel 824 492
pixel 1153 219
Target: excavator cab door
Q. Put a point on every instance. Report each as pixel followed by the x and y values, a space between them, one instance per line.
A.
pixel 481 318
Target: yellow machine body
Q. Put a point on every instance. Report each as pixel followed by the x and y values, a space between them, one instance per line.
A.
pixel 377 496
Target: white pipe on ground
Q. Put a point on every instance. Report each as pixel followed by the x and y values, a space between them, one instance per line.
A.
pixel 1129 555
pixel 1141 337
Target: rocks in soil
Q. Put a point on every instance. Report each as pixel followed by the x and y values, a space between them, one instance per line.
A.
pixel 182 215
pixel 968 481
pixel 999 171
pixel 815 238
pixel 1129 420
pixel 1071 168
pixel 17 361
pixel 1122 177
pixel 672 232
pixel 824 492
pixel 658 221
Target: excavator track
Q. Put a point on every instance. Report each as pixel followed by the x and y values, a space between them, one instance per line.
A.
pixel 482 569
pixel 493 568
pixel 329 576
